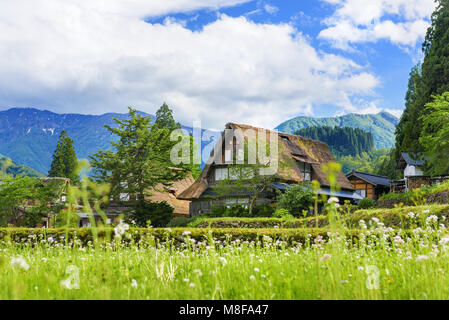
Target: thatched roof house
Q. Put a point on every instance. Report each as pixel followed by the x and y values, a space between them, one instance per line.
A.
pixel 169 194
pixel 303 156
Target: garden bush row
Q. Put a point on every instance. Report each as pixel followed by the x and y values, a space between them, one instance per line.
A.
pixel 395 218
pixel 229 222
pixel 84 236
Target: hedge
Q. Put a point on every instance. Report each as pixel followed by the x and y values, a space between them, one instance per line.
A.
pixel 178 235
pixel 398 217
pixel 395 218
pixel 256 223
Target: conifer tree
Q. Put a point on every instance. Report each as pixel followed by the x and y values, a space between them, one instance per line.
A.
pixel 64 161
pixel 426 80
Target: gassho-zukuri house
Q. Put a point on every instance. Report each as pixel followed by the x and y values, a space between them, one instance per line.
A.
pixel 306 156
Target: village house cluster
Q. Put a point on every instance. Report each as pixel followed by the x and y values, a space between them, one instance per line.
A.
pixel 304 157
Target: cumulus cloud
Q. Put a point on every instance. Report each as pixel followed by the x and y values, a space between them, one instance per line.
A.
pixel 403 22
pixel 100 56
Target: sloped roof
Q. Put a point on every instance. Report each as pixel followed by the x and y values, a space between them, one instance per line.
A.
pixel 169 194
pixel 291 148
pixel 371 178
pixel 410 159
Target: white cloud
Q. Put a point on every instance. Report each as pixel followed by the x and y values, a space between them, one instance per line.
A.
pixel 403 22
pixel 100 56
pixel 270 9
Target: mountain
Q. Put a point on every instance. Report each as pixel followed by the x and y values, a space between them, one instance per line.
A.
pixel 381 125
pixel 9 167
pixel 29 136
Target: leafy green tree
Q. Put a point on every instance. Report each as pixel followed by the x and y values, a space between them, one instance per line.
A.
pixel 24 201
pixel 159 214
pixel 435 135
pixel 164 118
pixel 426 80
pixel 64 163
pixel 166 122
pixel 140 159
pixel 344 141
pixel 297 199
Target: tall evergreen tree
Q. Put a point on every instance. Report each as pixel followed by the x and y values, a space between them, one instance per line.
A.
pixel 344 141
pixel 165 124
pixel 426 80
pixel 64 161
pixel 140 159
pixel 164 118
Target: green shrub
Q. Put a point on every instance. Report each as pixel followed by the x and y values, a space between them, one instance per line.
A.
pixel 158 213
pixel 280 213
pixel 366 203
pixel 287 221
pixel 179 222
pixel 297 199
pixel 263 210
pixel 240 211
pixel 150 236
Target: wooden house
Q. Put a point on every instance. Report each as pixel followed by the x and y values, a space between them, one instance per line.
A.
pixel 305 157
pixel 369 185
pixel 412 166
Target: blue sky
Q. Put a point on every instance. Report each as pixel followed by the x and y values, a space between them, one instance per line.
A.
pixel 215 61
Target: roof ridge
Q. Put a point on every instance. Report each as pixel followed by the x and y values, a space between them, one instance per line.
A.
pixel 371 174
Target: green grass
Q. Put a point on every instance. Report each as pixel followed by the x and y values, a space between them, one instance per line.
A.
pixel 417 195
pixel 211 269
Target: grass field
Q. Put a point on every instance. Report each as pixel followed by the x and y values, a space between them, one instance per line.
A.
pixel 384 263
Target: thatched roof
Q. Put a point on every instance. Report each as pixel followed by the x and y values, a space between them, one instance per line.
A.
pixel 291 148
pixel 169 195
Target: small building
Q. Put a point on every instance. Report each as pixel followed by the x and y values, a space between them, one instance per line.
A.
pixel 169 194
pixel 305 157
pixel 414 177
pixel 412 166
pixel 369 185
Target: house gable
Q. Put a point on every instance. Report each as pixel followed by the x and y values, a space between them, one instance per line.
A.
pixel 293 151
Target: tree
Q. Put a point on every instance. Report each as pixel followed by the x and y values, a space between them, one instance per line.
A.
pixel 246 181
pixel 25 201
pixel 344 141
pixel 297 199
pixel 64 163
pixel 426 80
pixel 164 118
pixel 140 159
pixel 158 213
pixel 435 135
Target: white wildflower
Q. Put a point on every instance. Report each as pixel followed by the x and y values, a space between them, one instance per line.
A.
pixel 431 219
pixel 223 260
pixel 134 283
pixel 411 215
pixel 252 277
pixel 19 262
pixel 333 200
pixel 256 269
pixel 421 258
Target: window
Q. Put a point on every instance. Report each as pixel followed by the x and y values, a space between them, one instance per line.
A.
pixel 306 170
pixel 361 192
pixel 228 155
pixel 221 174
